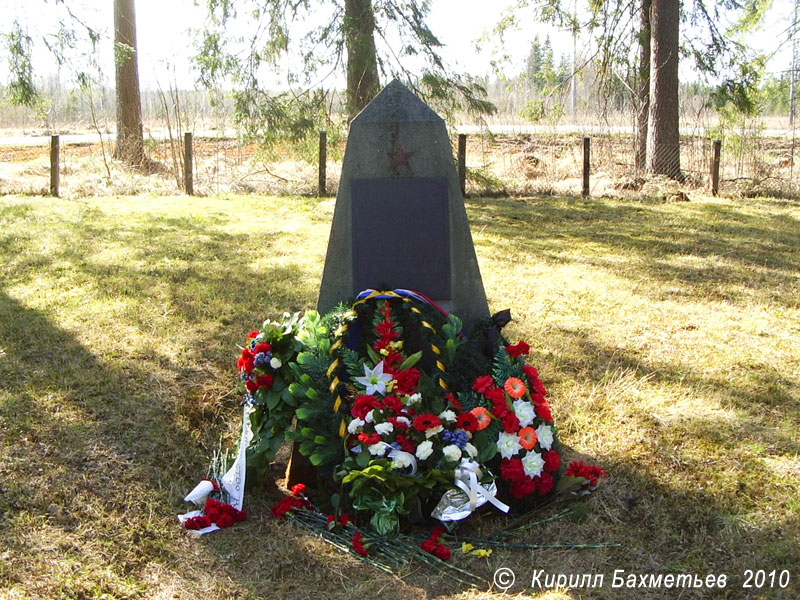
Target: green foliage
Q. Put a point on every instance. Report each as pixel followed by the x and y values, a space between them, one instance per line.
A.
pixel 533 111
pixel 21 89
pixel 303 61
pixel 72 43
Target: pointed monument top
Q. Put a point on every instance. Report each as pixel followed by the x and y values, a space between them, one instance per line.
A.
pixel 396 104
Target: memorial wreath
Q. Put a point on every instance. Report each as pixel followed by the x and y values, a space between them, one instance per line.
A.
pixel 402 416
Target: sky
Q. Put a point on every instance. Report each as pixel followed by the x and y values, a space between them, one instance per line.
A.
pixel 165 38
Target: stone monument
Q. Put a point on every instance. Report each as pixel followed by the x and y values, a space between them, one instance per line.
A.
pixel 400 218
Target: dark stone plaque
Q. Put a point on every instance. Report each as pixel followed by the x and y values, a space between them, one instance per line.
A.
pixel 401 235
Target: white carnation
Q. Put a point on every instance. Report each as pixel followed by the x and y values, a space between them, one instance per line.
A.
pixel 451 453
pixel 384 428
pixel 378 449
pixel 429 433
pixel 275 362
pixel 414 399
pixel 354 426
pixel 545 436
pixel 369 417
pixel 533 464
pixel 403 420
pixel 424 450
pixel 401 460
pixel 448 416
pixel 508 444
pixel 471 450
pixel 524 411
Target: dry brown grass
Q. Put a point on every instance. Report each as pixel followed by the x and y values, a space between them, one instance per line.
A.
pixel 502 165
pixel 666 332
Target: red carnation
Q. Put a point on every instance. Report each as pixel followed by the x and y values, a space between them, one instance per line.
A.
pixel 224 521
pixel 407 381
pixel 511 469
pixel 543 411
pixel 344 519
pixel 437 533
pixel 467 421
pixel 441 552
pixel 391 360
pixel 522 487
pixel 202 521
pixel 426 421
pixel 499 408
pixel 406 445
pixel 385 330
pixel 369 438
pixel 298 488
pixel 453 401
pixel 363 405
pixel 510 422
pixel 551 460
pixel 483 383
pixel 253 334
pixel 248 364
pixel 358 544
pixel 213 515
pixel 577 468
pixel 251 386
pixel 428 545
pixel 262 347
pixel 545 483
pixel 285 505
pixel 264 381
pixel 495 394
pixel 393 404
pixel 519 348
pixel 397 423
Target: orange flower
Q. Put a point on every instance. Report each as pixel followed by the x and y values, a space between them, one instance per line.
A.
pixel 527 438
pixel 514 387
pixel 483 416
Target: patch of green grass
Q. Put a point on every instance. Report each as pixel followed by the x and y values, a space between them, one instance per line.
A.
pixel 668 335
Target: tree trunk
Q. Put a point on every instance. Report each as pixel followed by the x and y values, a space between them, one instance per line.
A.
pixel 130 145
pixel 643 91
pixel 362 63
pixel 663 141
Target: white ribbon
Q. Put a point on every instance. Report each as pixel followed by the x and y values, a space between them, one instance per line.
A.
pixel 466 479
pixel 394 454
pixel 232 482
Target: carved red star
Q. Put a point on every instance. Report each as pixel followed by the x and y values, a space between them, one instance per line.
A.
pixel 400 156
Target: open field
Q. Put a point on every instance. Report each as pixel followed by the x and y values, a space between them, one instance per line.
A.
pixel 667 333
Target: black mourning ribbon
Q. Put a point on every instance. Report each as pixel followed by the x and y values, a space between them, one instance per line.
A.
pixel 492 334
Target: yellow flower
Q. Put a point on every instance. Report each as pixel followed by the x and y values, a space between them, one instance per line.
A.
pixel 466 548
pixel 481 553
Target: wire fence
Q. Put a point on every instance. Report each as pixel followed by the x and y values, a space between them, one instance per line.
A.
pixel 513 163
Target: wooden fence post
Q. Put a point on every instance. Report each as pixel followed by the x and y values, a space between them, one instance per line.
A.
pixel 586 162
pixel 323 160
pixel 55 147
pixel 462 162
pixel 715 167
pixel 188 178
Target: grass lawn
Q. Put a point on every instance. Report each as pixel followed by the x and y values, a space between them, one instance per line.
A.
pixel 668 335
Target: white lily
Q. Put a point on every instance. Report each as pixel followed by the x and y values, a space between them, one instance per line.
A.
pixel 374 380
